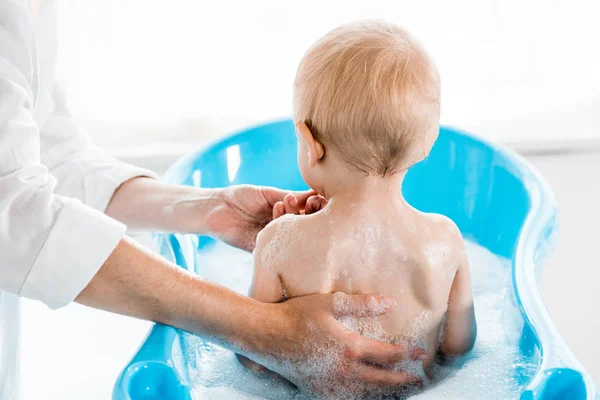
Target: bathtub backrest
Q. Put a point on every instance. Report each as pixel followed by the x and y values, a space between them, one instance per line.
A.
pixel 477 186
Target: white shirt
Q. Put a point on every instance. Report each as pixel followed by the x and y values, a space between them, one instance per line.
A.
pixel 54 183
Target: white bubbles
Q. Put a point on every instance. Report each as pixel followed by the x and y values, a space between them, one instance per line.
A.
pixel 168 209
pixel 222 393
pixel 414 336
pixel 349 285
pixel 442 259
pixel 426 230
pixel 276 253
pixel 341 303
pixel 369 237
pixel 325 364
pixel 438 254
pixel 214 373
pixel 450 232
pixel 490 371
pixel 408 223
pixel 398 248
pixel 418 329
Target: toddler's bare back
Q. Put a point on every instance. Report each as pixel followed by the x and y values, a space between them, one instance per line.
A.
pixel 371 247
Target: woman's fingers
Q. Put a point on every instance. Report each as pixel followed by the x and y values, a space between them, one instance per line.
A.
pixel 307 202
pixel 375 352
pixel 361 305
pixel 418 354
pixel 278 210
pixel 310 201
pixel 303 196
pixel 299 203
pixel 291 204
pixel 380 353
pixel 385 377
pixel 364 349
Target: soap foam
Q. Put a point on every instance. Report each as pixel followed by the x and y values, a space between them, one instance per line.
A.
pixel 426 230
pixel 343 305
pixel 489 372
pixel 408 223
pixel 419 328
pixel 368 237
pixel 276 253
pixel 414 336
pixel 442 259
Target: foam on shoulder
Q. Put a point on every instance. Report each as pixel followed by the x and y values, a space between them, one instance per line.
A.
pixel 276 253
pixel 442 259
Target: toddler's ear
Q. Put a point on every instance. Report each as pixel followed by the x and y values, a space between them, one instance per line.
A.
pixel 316 151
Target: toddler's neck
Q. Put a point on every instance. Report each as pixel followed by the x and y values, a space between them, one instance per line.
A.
pixel 372 192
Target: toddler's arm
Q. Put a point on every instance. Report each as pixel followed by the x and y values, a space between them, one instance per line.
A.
pixel 266 284
pixel 266 287
pixel 460 329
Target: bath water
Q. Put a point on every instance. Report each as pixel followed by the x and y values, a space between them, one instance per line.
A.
pixel 494 370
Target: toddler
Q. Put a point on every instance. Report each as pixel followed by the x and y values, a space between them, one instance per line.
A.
pixel 367 106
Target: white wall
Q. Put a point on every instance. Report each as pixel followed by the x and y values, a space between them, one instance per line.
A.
pixel 149 71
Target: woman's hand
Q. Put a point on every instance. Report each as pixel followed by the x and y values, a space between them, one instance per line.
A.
pixel 302 340
pixel 234 214
pixel 244 210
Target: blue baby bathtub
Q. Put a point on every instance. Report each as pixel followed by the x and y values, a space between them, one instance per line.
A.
pixel 496 198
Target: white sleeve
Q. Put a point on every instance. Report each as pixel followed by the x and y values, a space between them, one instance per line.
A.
pixel 50 246
pixel 83 170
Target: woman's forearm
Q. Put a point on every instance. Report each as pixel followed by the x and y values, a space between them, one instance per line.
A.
pixel 138 283
pixel 234 214
pixel 150 205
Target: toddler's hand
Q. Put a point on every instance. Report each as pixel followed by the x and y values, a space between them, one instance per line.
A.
pixel 243 210
pixel 305 203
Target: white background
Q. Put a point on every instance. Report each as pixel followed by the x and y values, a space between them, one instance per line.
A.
pixel 142 73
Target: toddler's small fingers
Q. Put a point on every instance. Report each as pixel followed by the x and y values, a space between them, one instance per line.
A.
pixel 313 204
pixel 302 197
pixel 278 210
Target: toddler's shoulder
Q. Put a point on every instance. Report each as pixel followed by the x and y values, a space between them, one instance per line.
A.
pixel 444 248
pixel 443 228
pixel 278 234
pixel 287 222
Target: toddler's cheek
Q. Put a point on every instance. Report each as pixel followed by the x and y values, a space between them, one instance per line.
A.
pixel 304 168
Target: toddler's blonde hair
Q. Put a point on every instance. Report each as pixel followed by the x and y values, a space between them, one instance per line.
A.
pixel 369 91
